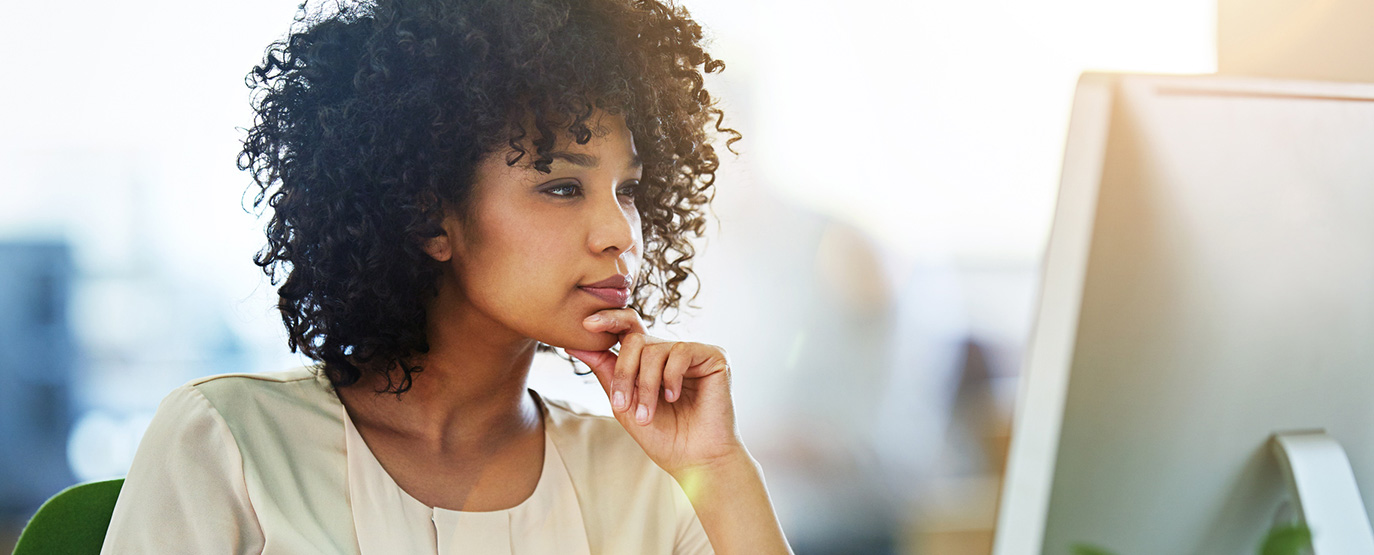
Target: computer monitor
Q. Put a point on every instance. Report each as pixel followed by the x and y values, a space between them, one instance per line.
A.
pixel 1209 282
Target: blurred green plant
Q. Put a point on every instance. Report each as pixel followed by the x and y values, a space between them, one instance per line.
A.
pixel 1085 549
pixel 1292 539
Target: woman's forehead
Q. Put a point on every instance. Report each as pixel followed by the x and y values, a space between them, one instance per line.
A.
pixel 612 149
pixel 610 144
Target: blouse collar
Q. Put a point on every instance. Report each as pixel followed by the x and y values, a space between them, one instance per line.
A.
pixel 389 520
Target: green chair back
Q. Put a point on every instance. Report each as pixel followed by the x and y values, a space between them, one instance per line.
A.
pixel 72 522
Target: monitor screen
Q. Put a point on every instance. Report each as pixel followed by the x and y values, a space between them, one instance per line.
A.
pixel 1209 282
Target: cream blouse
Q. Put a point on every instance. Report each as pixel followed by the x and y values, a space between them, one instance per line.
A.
pixel 271 463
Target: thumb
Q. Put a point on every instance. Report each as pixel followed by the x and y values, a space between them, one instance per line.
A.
pixel 602 364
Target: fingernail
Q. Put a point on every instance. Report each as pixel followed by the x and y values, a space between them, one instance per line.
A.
pixel 670 395
pixel 642 415
pixel 593 319
pixel 618 399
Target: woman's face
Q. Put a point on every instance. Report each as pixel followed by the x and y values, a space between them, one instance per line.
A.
pixel 535 242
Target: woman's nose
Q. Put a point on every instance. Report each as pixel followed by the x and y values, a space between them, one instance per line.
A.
pixel 612 226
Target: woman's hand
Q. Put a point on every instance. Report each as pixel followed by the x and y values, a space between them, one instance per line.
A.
pixel 673 397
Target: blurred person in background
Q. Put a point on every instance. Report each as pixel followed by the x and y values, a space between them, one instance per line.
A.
pixel 453 186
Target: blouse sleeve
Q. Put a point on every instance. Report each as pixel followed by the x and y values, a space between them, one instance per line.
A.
pixel 691 537
pixel 185 492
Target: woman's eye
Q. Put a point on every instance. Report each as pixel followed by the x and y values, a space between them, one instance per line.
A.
pixel 564 190
pixel 630 189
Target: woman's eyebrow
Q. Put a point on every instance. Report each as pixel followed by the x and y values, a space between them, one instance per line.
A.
pixel 577 159
pixel 588 160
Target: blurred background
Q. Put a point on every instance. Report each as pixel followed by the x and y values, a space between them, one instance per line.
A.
pixel 872 274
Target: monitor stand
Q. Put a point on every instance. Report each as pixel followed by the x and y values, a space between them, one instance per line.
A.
pixel 1324 492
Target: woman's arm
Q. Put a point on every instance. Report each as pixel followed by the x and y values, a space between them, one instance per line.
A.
pixel 732 502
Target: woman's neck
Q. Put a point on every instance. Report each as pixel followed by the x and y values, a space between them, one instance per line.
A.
pixel 470 393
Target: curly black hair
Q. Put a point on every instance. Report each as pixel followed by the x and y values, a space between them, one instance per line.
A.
pixel 371 118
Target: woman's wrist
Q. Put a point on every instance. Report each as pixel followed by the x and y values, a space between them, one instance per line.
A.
pixel 731 501
pixel 729 461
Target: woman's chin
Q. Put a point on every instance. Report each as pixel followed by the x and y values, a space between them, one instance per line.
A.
pixel 586 341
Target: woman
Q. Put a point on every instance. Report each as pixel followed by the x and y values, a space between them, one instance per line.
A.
pixel 454 185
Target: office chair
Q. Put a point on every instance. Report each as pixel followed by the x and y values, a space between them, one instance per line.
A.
pixel 72 522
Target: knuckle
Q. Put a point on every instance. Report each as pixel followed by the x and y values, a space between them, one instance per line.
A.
pixel 657 351
pixel 720 351
pixel 680 351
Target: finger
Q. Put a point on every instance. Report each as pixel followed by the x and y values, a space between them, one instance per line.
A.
pixel 619 321
pixel 673 373
pixel 650 378
pixel 707 360
pixel 602 364
pixel 624 371
pixel 651 362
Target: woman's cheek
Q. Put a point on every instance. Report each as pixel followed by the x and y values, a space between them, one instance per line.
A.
pixel 572 334
pixel 559 323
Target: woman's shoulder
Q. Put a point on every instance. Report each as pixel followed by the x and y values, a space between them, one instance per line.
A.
pixel 262 454
pixel 284 376
pixel 266 411
pixel 258 382
pixel 295 389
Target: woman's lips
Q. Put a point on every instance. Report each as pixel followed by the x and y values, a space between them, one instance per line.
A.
pixel 616 296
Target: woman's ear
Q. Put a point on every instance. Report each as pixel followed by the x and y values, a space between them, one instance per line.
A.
pixel 445 245
pixel 439 247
